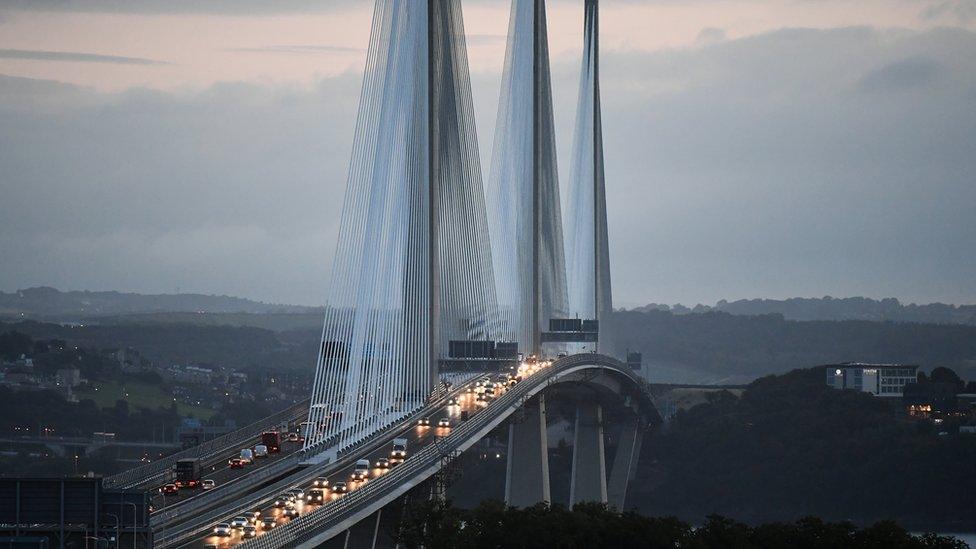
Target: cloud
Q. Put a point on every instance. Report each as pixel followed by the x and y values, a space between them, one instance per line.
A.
pixel 961 11
pixel 227 7
pixel 304 49
pixel 710 35
pixel 753 167
pixel 78 57
pixel 902 75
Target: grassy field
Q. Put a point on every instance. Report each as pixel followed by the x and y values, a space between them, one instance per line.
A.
pixel 139 394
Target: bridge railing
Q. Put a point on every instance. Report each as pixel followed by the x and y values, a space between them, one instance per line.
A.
pixel 155 471
pixel 181 534
pixel 427 458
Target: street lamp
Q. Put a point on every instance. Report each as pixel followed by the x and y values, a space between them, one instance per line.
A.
pixel 118 537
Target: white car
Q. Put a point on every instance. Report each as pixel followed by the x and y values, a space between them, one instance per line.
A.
pixel 247 455
pixel 239 522
pixel 443 422
pixel 208 484
pixel 222 530
pixel 361 471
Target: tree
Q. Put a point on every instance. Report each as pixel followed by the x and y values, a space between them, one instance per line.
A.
pixel 947 375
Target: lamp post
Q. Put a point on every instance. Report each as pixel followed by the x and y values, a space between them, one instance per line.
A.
pixel 135 511
pixel 118 537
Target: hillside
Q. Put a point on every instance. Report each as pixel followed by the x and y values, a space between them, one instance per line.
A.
pixel 52 304
pixel 832 308
pixel 790 446
pixel 740 348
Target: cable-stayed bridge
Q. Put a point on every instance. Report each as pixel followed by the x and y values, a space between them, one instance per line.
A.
pixel 456 307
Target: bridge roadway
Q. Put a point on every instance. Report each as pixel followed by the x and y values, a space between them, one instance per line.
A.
pixel 223 475
pixel 156 473
pixel 429 454
pixel 191 523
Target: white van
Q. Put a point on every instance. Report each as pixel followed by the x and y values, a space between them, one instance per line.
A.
pixel 247 456
pixel 260 451
pixel 361 471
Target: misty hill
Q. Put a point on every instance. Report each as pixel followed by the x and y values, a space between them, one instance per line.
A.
pixel 831 308
pixel 50 303
pixel 791 446
pixel 739 348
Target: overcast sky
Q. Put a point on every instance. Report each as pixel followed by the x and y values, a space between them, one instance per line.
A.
pixel 764 148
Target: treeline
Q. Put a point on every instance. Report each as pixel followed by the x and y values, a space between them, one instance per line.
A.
pixel 29 412
pixel 757 345
pixel 165 344
pixel 435 525
pixel 832 308
pixel 790 446
pixel 46 302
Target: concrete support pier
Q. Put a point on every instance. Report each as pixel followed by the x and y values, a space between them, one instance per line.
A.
pixel 527 474
pixel 589 477
pixel 624 463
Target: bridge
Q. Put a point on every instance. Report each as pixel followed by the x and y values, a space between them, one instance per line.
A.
pixel 444 290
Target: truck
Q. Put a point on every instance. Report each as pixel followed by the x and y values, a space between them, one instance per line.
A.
pixel 188 473
pixel 399 451
pixel 271 439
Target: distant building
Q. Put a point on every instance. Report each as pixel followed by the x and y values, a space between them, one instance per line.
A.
pixel 68 377
pixel 923 399
pixel 884 380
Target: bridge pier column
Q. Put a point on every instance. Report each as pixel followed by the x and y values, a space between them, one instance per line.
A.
pixel 527 473
pixel 589 476
pixel 624 463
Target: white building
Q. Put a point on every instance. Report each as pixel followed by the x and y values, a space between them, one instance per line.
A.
pixel 886 380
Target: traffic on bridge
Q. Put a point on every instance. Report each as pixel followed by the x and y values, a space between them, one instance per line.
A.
pixel 311 494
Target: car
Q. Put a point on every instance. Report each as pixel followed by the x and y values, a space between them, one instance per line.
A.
pixel 260 451
pixel 249 531
pixel 452 402
pixel 222 530
pixel 209 546
pixel 470 389
pixel 170 489
pixel 247 455
pixel 292 437
pixel 238 522
pixel 291 511
pixel 464 415
pixel 481 398
pixel 339 488
pixel 236 463
pixel 317 495
pixel 398 452
pixel 297 494
pixel 268 523
pixel 254 516
pixel 320 482
pixel 208 484
pixel 423 422
pixel 281 500
pixel 361 470
pixel 382 463
pixel 443 422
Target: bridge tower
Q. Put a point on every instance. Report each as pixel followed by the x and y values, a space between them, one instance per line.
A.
pixel 587 251
pixel 523 188
pixel 412 268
